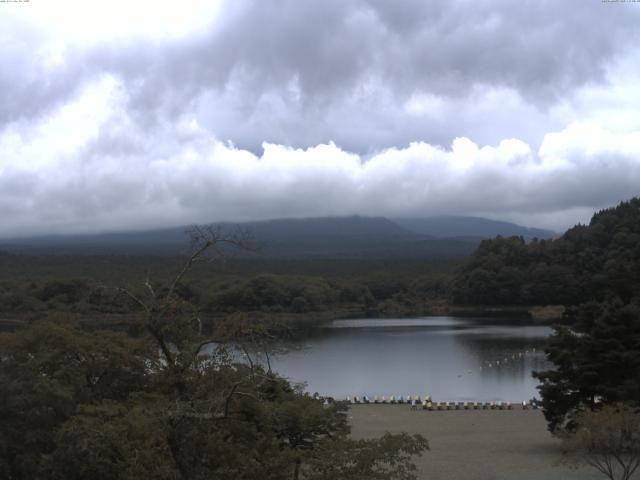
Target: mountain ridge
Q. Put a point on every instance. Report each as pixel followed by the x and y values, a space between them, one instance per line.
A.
pixel 317 237
pixel 448 226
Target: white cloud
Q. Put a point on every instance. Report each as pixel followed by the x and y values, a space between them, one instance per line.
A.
pixel 32 146
pixel 92 167
pixel 77 22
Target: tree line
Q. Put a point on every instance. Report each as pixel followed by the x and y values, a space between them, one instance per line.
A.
pixel 362 288
pixel 589 262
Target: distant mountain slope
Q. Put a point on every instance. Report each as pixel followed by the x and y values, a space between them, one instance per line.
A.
pixel 447 226
pixel 329 229
pixel 329 237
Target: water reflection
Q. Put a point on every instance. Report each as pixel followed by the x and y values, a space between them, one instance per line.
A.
pixel 448 358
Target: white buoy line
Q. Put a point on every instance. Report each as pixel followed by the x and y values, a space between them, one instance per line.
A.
pixel 501 362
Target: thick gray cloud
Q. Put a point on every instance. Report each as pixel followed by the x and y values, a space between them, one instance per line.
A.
pixel 27 87
pixel 301 72
pixel 132 132
pixel 306 72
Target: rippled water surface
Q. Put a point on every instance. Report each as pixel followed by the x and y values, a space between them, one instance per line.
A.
pixel 454 359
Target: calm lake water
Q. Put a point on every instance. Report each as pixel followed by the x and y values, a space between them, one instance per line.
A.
pixel 453 359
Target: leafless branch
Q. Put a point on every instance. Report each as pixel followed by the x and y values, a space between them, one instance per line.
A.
pixel 246 354
pixel 147 284
pixel 211 237
pixel 185 268
pixel 266 354
pixel 228 399
pixel 134 298
pixel 204 343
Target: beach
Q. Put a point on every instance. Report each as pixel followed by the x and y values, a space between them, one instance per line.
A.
pixel 474 444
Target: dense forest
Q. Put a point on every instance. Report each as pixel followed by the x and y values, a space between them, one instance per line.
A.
pixel 588 262
pixel 41 286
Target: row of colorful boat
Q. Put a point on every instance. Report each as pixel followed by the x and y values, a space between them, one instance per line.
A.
pixel 426 403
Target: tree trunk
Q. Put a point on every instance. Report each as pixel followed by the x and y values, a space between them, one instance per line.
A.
pixel 296 470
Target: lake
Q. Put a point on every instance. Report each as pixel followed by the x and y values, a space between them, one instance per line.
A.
pixel 449 358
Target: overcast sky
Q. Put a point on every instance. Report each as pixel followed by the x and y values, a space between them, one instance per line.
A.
pixel 118 115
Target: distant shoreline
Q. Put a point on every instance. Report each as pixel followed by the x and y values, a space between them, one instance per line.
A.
pixel 513 315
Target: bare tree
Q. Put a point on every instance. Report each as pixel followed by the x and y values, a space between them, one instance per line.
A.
pixel 175 327
pixel 607 440
pixel 170 320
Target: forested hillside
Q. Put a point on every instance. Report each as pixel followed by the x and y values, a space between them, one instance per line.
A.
pixel 587 263
pixel 352 237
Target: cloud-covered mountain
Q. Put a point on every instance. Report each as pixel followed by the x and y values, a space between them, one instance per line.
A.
pixel 442 238
pixel 448 226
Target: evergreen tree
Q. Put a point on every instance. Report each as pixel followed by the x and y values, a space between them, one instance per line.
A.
pixel 595 362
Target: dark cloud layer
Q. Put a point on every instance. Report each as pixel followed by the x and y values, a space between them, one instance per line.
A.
pixel 131 132
pixel 304 72
pixel 301 72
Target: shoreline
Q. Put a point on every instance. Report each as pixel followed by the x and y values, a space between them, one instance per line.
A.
pixel 507 314
pixel 473 444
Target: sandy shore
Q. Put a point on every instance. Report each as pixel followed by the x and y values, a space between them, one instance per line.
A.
pixel 473 444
